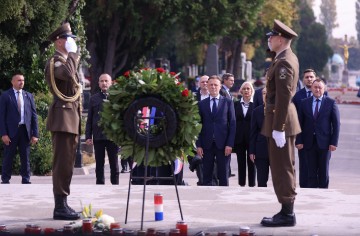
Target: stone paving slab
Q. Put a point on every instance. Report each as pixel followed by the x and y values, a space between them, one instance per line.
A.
pixel 208 209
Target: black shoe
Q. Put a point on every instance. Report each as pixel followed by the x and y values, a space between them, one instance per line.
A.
pixel 65 214
pixel 194 163
pixel 25 182
pixel 5 182
pixel 232 175
pixel 279 220
pixel 61 211
pixel 123 171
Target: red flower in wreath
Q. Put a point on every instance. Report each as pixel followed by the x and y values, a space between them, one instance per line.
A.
pixel 160 70
pixel 127 74
pixel 185 93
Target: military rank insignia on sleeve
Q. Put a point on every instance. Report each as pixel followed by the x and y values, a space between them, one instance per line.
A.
pixel 282 73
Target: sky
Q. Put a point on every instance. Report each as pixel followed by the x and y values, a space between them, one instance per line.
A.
pixel 346 17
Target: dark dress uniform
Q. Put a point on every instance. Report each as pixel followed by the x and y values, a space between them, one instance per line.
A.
pixel 63 120
pixel 281 115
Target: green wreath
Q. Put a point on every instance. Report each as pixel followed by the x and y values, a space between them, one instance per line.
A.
pixel 135 85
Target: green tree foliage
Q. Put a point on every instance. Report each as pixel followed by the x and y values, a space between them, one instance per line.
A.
pixel 328 16
pixel 24 27
pixel 312 48
pixel 120 33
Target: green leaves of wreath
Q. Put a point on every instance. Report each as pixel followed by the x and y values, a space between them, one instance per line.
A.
pixel 136 84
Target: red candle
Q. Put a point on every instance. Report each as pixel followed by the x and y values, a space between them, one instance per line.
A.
pixel 182 226
pixel 114 226
pixel 35 229
pixel 49 231
pixel 86 226
pixel 174 232
pixel 68 229
pixel 28 228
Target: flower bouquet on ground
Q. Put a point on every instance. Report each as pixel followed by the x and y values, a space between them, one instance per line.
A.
pixel 90 223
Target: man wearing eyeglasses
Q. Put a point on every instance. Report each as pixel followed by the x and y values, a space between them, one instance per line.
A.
pixel 281 124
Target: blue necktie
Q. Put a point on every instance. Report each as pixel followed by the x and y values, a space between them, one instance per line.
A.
pixel 309 93
pixel 214 107
pixel 316 112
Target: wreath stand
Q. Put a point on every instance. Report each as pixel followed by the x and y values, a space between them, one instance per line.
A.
pixel 146 178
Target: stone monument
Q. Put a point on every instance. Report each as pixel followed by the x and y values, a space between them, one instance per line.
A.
pixel 345 77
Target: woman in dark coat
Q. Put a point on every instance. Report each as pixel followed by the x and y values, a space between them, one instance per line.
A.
pixel 243 111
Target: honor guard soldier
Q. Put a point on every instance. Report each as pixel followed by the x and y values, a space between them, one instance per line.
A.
pixel 281 123
pixel 64 116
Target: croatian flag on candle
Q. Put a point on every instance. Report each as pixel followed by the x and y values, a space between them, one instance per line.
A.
pixel 159 209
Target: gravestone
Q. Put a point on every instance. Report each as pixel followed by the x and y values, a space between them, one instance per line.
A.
pixel 212 60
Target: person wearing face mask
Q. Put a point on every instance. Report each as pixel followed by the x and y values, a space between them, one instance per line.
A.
pixel 281 124
pixel 63 116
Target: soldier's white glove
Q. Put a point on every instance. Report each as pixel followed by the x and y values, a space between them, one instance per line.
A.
pixel 279 138
pixel 70 45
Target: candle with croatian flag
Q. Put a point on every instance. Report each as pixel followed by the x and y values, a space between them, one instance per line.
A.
pixel 159 209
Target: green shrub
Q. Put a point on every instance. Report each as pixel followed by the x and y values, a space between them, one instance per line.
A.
pixel 41 153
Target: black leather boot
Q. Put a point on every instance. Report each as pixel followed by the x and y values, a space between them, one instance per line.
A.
pixel 61 212
pixel 68 207
pixel 286 217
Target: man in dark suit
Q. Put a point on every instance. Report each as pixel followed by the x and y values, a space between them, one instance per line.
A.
pixel 18 128
pixel 64 116
pixel 216 138
pixel 258 144
pixel 195 162
pixel 94 135
pixel 309 76
pixel 227 83
pixel 203 91
pixel 228 80
pixel 320 124
pixel 281 123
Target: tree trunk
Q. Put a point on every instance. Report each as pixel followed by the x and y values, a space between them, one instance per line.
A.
pixel 238 65
pixel 111 45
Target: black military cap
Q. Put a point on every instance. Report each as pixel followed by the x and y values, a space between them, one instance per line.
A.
pixel 63 31
pixel 280 29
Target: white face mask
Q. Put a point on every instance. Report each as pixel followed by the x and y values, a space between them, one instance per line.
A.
pixel 269 45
